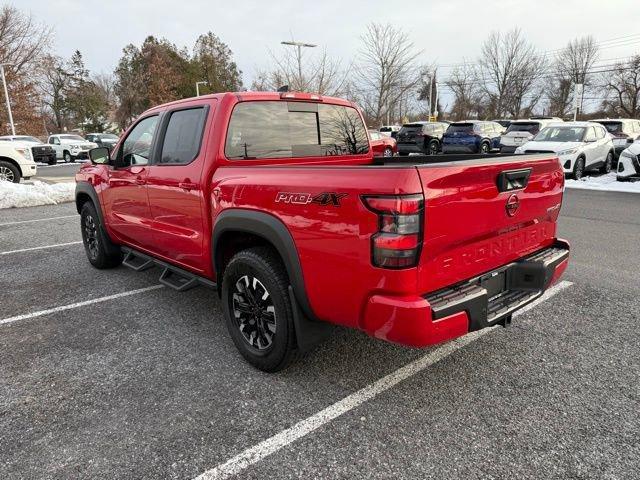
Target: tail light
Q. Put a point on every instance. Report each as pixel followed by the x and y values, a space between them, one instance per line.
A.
pixel 399 238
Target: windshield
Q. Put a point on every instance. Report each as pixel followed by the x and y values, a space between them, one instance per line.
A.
pixel 531 127
pixel 71 137
pixel 561 134
pixel 460 128
pixel 26 138
pixel 612 127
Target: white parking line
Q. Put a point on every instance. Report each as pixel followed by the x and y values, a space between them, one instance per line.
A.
pixel 37 220
pixel 40 248
pixel 271 445
pixel 27 316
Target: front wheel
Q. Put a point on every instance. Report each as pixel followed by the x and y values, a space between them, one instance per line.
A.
pixel 9 172
pixel 257 309
pixel 387 152
pixel 52 161
pixel 101 252
pixel 67 157
pixel 484 148
pixel 608 163
pixel 433 148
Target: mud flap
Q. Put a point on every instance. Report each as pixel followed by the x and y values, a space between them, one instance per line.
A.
pixel 309 333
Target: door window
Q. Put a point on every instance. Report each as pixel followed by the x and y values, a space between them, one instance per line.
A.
pixel 600 132
pixel 136 148
pixel 183 137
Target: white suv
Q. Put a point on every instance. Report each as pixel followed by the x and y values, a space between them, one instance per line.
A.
pixel 16 162
pixel 520 132
pixel 629 162
pixel 70 146
pixel 581 146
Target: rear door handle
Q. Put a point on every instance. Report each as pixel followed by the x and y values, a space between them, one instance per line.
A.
pixel 188 186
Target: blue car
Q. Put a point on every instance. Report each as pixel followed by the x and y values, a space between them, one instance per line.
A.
pixel 472 136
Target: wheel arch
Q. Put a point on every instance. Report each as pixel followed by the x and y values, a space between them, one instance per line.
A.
pixel 245 227
pixel 14 163
pixel 86 193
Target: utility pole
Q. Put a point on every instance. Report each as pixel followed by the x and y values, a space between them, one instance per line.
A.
pixel 299 46
pixel 577 100
pixel 198 87
pixel 6 97
pixel 435 111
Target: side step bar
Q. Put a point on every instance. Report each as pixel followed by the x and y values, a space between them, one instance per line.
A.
pixel 173 277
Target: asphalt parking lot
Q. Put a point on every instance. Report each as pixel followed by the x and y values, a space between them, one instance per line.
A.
pixel 147 384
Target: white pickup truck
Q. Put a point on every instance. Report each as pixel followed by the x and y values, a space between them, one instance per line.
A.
pixel 70 147
pixel 16 162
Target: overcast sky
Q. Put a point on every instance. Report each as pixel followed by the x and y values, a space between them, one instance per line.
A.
pixel 447 31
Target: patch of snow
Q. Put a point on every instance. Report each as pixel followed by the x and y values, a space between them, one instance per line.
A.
pixel 14 195
pixel 606 183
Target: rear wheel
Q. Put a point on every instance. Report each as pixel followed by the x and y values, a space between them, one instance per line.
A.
pixel 387 152
pixel 433 147
pixel 578 169
pixel 101 252
pixel 257 309
pixel 608 163
pixel 9 172
pixel 484 148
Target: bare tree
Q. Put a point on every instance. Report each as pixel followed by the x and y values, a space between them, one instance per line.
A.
pixel 22 40
pixel 572 66
pixel 467 97
pixel 305 73
pixel 509 69
pixel 386 71
pixel 622 87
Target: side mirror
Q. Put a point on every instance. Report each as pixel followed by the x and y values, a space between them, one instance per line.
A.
pixel 99 156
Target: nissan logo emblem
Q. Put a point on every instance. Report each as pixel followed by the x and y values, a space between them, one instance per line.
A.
pixel 513 203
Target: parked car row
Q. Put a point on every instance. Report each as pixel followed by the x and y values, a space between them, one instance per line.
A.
pixel 21 153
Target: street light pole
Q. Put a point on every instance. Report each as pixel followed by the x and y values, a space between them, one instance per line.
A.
pixel 6 97
pixel 198 87
pixel 299 46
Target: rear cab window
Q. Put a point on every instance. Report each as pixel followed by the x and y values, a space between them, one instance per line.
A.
pixel 279 129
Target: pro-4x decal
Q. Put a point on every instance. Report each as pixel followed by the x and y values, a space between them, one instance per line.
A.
pixel 324 199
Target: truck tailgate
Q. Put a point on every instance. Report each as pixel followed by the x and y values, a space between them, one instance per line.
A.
pixel 471 226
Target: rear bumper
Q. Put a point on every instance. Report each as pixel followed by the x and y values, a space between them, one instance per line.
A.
pixel 473 304
pixel 507 148
pixel 410 148
pixel 459 148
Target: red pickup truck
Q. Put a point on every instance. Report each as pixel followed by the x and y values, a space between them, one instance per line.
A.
pixel 277 200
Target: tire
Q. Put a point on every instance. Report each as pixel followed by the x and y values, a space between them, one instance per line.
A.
pixel 433 148
pixel 484 148
pixel 608 163
pixel 9 172
pixel 67 157
pixel 52 161
pixel 578 169
pixel 101 252
pixel 262 329
pixel 388 152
